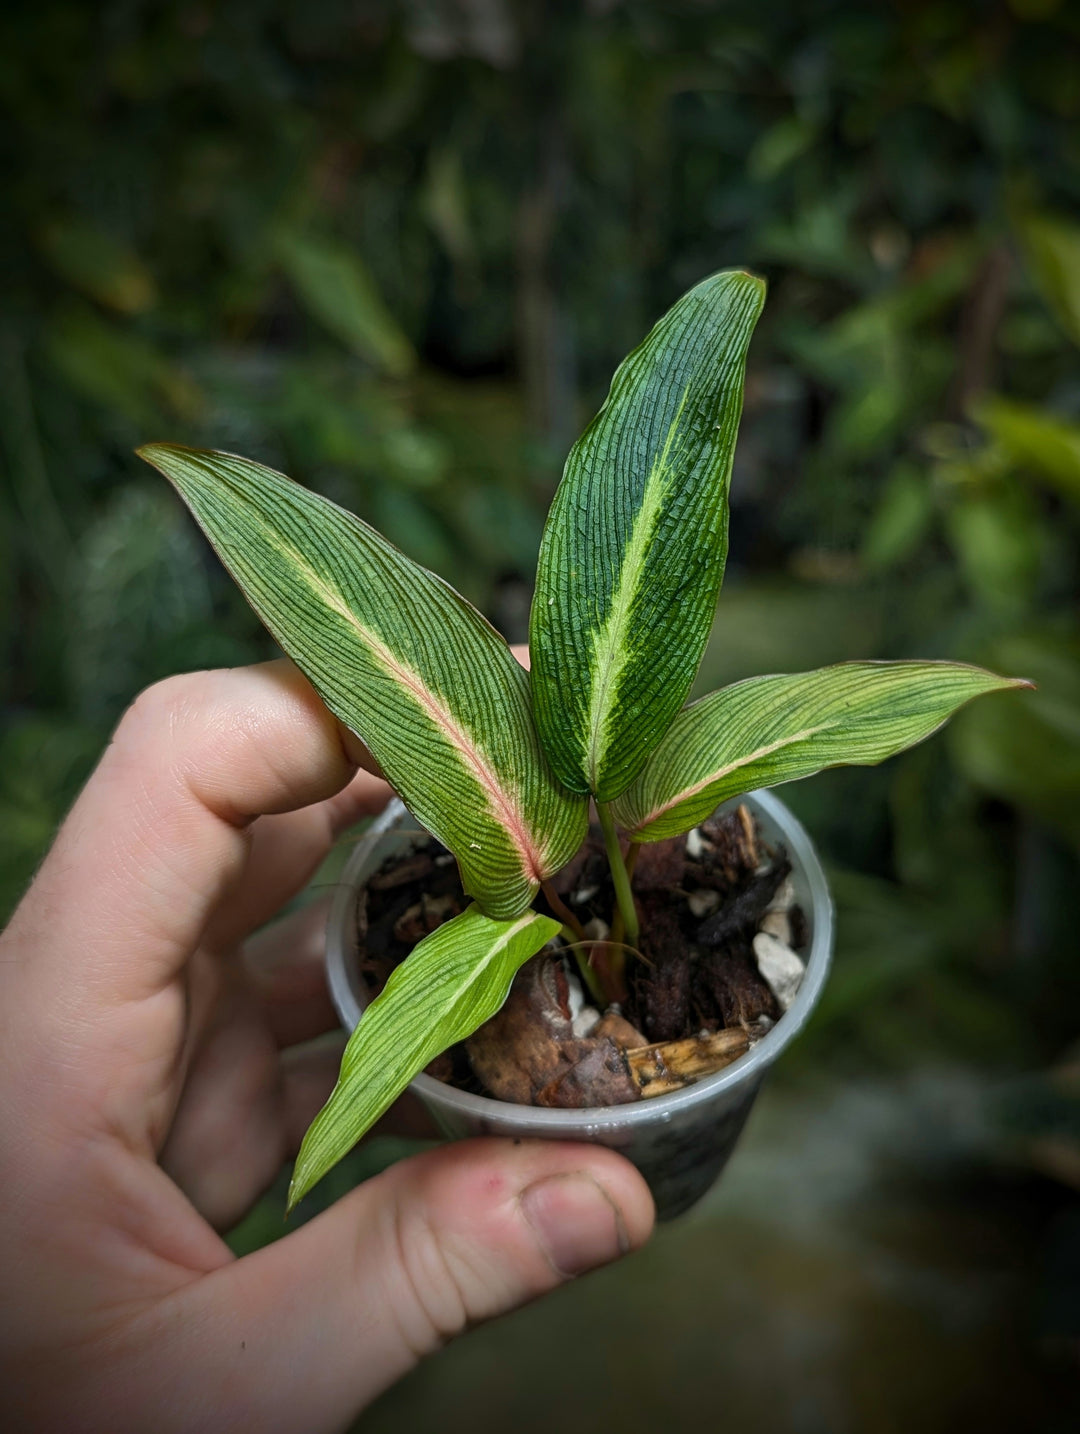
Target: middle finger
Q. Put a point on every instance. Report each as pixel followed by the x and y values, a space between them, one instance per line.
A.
pixel 285 852
pixel 284 963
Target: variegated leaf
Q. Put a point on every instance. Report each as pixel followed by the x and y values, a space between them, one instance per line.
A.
pixel 451 983
pixel 634 549
pixel 769 730
pixel 403 660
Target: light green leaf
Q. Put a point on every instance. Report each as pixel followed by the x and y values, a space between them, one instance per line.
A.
pixel 778 146
pixel 1029 755
pixel 634 549
pixel 455 980
pixel 900 523
pixel 117 368
pixel 337 290
pixel 1037 441
pixel 1052 247
pixel 99 265
pixel 403 660
pixel 999 541
pixel 769 730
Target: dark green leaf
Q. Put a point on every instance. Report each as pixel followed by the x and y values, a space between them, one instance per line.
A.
pixel 634 549
pixel 338 291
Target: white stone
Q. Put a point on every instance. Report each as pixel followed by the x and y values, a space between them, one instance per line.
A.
pixel 778 924
pixel 695 844
pixel 583 1017
pixel 702 902
pixel 586 893
pixel 575 991
pixel 780 968
pixel 585 1022
pixel 596 929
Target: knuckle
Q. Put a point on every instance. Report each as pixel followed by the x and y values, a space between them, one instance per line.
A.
pixel 160 707
pixel 429 1304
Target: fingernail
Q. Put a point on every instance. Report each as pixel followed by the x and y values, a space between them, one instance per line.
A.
pixel 576 1223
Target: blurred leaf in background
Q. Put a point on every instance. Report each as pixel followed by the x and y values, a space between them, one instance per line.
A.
pixel 1051 246
pixel 338 291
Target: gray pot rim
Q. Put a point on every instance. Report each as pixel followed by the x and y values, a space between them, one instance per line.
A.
pixel 750 1067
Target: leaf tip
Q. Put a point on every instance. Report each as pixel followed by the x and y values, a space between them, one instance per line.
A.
pixel 752 283
pixel 1008 684
pixel 153 453
pixel 760 284
pixel 299 1186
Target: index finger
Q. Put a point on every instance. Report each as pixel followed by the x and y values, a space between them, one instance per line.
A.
pixel 160 832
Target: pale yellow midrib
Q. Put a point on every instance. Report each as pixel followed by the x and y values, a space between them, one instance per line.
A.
pixel 609 644
pixel 506 814
pixel 687 793
pixel 478 969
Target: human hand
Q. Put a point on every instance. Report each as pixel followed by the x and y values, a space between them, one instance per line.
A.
pixel 153 1080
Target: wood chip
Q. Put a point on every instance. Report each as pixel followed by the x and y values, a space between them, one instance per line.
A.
pixel 598 1077
pixel 671 1065
pixel 753 855
pixel 620 1030
pixel 527 1052
pixel 519 1050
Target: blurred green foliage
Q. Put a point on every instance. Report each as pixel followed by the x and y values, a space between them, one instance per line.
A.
pixel 397 248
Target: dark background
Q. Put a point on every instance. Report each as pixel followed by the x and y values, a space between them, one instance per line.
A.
pixel 396 249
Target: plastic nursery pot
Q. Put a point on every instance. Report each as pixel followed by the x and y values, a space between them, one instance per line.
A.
pixel 680 1142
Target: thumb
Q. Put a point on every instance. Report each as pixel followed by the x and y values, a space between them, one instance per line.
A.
pixel 333 1314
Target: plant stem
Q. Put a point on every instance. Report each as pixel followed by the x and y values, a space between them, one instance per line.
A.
pixel 624 897
pixel 618 935
pixel 563 912
pixel 617 931
pixel 574 926
pixel 590 977
pixel 631 860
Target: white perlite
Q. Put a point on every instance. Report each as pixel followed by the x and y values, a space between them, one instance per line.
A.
pixel 702 902
pixel 778 924
pixel 781 969
pixel 585 1022
pixel 583 1017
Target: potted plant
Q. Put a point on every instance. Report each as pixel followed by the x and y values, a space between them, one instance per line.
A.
pixel 500 768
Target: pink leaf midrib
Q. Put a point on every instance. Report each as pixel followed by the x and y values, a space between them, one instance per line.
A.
pixel 503 808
